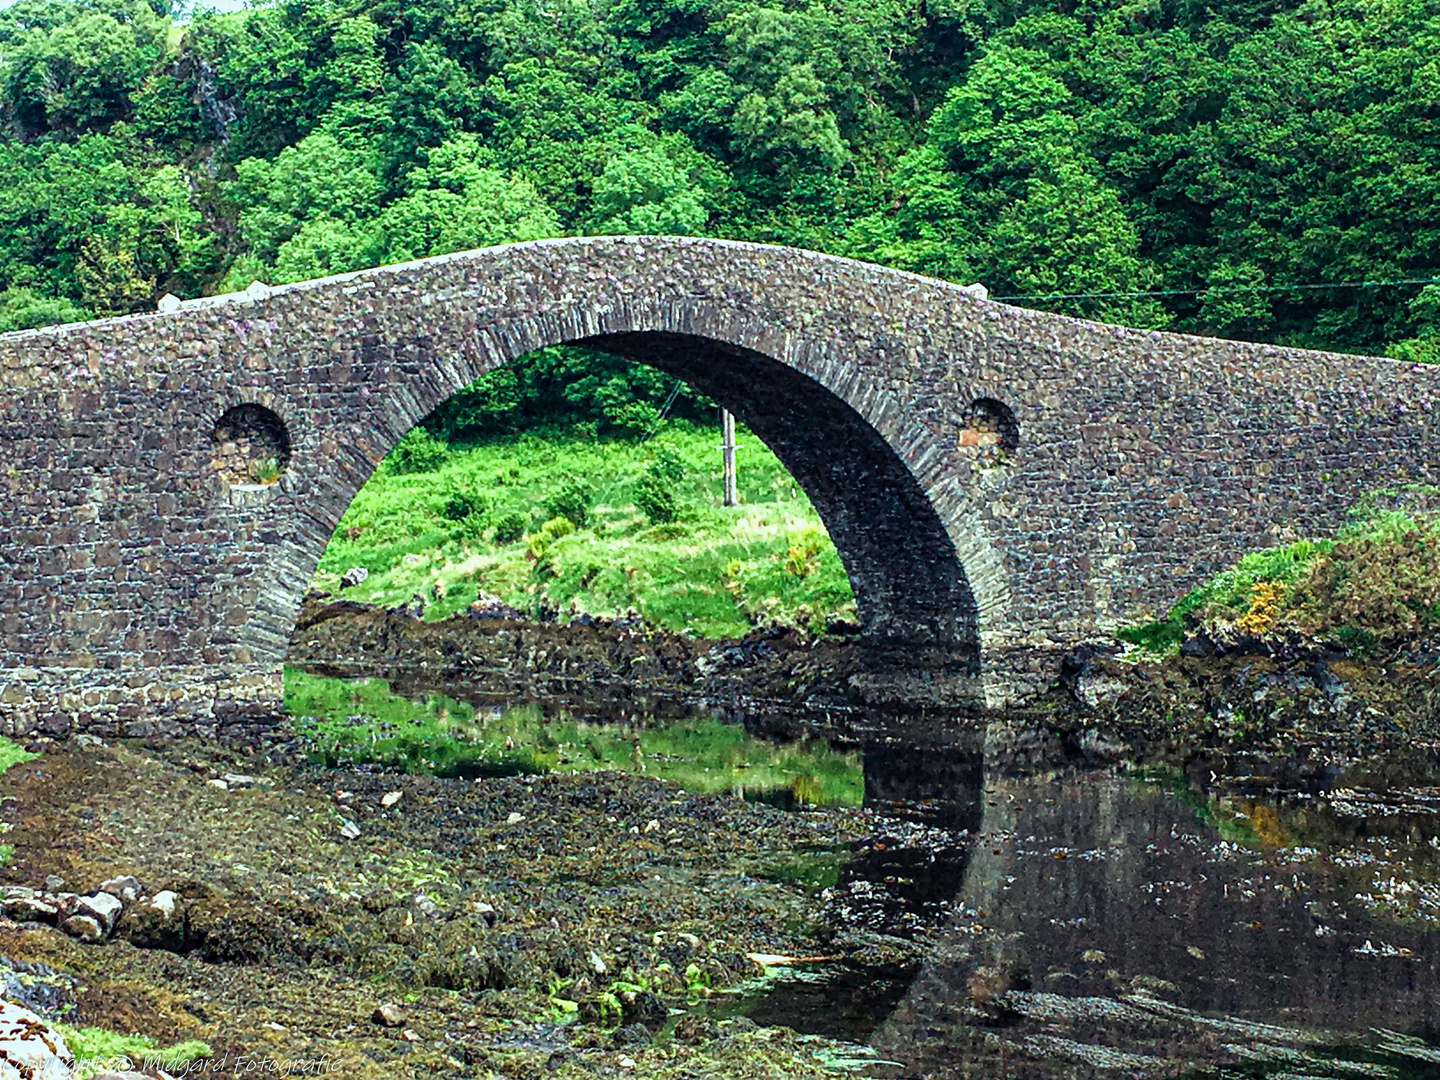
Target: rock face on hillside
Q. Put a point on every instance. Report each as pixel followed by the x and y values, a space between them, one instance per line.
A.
pixel 31 1049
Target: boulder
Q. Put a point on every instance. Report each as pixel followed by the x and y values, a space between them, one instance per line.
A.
pixel 158 924
pixel 31 1049
pixel 32 909
pixel 240 780
pixel 127 888
pixel 84 927
pixel 490 606
pixel 388 1015
pixel 103 908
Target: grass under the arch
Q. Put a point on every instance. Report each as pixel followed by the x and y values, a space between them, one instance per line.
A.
pixel 709 570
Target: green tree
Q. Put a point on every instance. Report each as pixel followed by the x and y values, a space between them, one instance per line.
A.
pixel 76 67
pixel 456 204
pixel 317 180
pixel 663 189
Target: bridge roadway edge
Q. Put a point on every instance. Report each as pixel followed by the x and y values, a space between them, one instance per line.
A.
pixel 140 593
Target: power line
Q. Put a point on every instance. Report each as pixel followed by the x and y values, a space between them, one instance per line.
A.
pixel 1220 290
pixel 660 419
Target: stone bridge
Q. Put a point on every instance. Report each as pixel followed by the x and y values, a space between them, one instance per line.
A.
pixel 1001 484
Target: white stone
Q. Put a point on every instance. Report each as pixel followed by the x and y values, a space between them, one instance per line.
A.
pixel 104 907
pixel 390 798
pixel 31 1049
pixel 350 831
pixel 31 909
pixel 170 302
pixel 980 292
pixel 126 887
pixel 258 290
pixel 240 780
pixel 164 902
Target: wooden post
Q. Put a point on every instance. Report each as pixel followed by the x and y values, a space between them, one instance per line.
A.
pixel 727 455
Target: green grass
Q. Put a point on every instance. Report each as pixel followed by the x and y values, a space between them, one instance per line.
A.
pixel 353 721
pixel 710 570
pixel 99 1050
pixel 12 753
pixel 1383 517
pixel 1228 591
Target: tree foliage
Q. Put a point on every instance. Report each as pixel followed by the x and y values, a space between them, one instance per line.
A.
pixel 1069 154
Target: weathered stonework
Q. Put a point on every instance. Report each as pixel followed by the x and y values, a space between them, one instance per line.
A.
pixel 137 587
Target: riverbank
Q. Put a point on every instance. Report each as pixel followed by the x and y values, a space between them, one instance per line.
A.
pixel 783 681
pixel 563 521
pixel 611 923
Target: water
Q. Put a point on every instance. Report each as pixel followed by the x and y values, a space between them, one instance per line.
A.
pixel 1218 920
pixel 1027 915
pixel 364 721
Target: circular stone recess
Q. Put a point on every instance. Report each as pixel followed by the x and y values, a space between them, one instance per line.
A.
pixel 252 446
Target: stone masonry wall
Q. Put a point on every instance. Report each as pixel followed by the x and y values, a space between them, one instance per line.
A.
pixel 141 591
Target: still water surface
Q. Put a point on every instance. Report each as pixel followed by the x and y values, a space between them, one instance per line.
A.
pixel 1218 916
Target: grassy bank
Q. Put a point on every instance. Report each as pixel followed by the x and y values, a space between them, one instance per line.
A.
pixel 609 525
pixel 1373 586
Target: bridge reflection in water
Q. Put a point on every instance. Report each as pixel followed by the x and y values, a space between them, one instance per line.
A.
pixel 1097 922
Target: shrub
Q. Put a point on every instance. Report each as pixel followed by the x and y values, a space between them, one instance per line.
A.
pixel 1386 588
pixel 468 528
pixel 666 462
pixel 461 503
pixel 1266 598
pixel 1422 350
pixel 730 577
pixel 509 528
pixel 656 499
pixel 632 419
pixel 417 452
pixel 571 501
pixel 265 471
pixel 551 531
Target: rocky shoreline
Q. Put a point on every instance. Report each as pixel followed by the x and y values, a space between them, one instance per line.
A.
pixel 575 925
pixel 398 925
pixel 783 682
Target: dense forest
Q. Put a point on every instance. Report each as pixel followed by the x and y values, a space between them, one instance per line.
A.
pixel 1213 158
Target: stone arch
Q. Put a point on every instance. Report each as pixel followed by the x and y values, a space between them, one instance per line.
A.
pixel 845 440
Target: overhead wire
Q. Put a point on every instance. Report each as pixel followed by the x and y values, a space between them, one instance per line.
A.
pixel 1219 290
